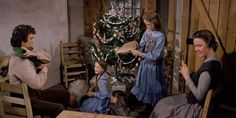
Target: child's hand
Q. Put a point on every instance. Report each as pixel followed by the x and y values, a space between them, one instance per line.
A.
pixel 90 93
pixel 136 53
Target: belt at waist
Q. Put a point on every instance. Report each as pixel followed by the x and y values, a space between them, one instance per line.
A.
pixel 153 62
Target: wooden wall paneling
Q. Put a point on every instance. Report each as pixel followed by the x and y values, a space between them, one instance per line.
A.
pixel 142 6
pixel 235 42
pixel 170 40
pixel 185 33
pixel 201 25
pixel 105 6
pixel 230 41
pixel 208 22
pixel 93 9
pixel 223 23
pixel 194 21
pixel 147 5
pixel 185 26
pixel 214 15
pixel 214 12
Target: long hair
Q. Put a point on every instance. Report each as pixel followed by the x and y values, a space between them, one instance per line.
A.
pixel 121 96
pixel 154 18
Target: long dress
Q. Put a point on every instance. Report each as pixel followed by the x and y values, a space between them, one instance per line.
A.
pixel 150 84
pixel 98 103
pixel 182 106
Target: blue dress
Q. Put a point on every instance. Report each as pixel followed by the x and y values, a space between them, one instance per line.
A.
pixel 150 84
pixel 99 102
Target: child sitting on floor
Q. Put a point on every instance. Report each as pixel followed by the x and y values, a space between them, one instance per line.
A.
pixel 118 104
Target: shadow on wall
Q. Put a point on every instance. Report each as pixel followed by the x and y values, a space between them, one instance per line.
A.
pixel 2 54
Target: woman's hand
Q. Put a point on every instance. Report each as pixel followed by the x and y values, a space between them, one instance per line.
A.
pixel 29 53
pixel 184 70
pixel 90 93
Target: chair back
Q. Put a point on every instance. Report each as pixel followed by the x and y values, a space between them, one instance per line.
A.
pixel 71 52
pixel 207 103
pixel 17 104
pixel 73 61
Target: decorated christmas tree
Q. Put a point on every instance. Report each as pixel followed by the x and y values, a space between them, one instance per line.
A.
pixel 114 35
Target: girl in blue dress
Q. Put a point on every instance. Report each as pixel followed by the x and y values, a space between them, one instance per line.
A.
pixel 150 84
pixel 98 91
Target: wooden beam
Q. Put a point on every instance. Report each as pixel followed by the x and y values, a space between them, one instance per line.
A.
pixel 231 29
pixel 172 87
pixel 208 22
pixel 177 46
pixel 194 21
pixel 148 5
pixel 201 25
pixel 223 22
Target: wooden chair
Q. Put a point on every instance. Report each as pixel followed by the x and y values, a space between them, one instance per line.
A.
pixel 73 61
pixel 207 103
pixel 17 106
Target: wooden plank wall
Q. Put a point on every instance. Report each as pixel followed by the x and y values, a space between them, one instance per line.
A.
pixel 222 14
pixel 147 5
pixel 170 42
pixel 93 9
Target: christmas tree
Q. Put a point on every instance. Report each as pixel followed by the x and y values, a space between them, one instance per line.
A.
pixel 112 31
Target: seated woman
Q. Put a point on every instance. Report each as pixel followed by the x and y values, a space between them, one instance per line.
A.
pixel 98 92
pixel 117 104
pixel 206 77
pixel 27 66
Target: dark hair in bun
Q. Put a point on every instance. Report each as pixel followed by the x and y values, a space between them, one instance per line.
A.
pixel 208 37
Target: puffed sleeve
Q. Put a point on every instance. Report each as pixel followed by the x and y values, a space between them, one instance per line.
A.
pixel 158 51
pixel 102 93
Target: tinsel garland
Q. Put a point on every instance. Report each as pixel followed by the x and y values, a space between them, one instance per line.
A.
pixel 108 54
pixel 97 57
pixel 104 40
pixel 127 63
pixel 114 23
